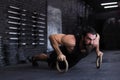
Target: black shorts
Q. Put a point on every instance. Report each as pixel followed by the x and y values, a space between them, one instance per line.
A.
pixel 72 58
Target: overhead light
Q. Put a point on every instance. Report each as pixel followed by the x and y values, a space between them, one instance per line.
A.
pixel 113 6
pixel 109 3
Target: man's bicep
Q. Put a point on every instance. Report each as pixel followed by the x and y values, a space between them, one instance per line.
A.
pixel 56 38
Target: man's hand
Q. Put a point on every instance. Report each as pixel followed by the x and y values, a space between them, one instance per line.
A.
pixel 100 53
pixel 99 59
pixel 61 57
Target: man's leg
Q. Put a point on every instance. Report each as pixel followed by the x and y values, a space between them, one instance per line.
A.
pixel 38 57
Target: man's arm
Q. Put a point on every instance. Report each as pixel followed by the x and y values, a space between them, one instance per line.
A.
pixel 98 52
pixel 55 40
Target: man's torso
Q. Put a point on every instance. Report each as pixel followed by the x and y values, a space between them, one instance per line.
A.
pixel 69 41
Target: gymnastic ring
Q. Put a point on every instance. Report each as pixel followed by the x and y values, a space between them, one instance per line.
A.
pixel 98 61
pixel 62 70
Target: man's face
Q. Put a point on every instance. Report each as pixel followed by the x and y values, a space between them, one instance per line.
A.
pixel 89 39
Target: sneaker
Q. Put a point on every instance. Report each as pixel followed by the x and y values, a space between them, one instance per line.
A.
pixel 29 58
pixel 34 62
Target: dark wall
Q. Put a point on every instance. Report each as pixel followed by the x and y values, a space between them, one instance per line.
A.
pixel 15 53
pixel 69 13
pixel 33 5
pixel 73 12
pixel 107 24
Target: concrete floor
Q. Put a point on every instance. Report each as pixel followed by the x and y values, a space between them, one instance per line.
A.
pixel 84 70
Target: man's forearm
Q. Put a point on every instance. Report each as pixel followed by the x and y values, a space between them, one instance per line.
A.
pixel 57 49
pixel 55 45
pixel 98 52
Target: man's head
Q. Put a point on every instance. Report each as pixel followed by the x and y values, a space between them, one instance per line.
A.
pixel 89 35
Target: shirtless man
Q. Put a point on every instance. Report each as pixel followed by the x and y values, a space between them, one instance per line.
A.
pixel 73 48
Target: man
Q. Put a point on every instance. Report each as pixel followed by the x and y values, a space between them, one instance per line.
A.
pixel 70 47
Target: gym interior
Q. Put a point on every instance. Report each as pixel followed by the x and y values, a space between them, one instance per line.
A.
pixel 25 26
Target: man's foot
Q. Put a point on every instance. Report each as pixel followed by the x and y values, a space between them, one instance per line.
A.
pixel 33 61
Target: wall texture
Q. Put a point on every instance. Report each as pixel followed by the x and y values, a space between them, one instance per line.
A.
pixel 73 12
pixel 26 31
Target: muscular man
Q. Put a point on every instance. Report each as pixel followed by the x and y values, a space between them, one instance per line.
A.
pixel 70 47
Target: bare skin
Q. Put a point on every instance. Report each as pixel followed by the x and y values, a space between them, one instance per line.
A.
pixel 69 42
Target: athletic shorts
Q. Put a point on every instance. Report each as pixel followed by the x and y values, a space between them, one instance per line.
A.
pixel 72 58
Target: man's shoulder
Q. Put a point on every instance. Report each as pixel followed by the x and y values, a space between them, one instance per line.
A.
pixel 98 36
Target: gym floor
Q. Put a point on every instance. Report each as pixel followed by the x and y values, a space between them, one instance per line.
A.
pixel 84 70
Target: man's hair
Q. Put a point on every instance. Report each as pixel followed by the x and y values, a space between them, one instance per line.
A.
pixel 88 30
